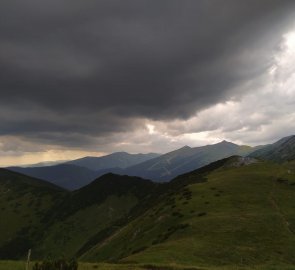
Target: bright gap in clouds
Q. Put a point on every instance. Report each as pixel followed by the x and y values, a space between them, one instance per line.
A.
pixel 150 128
pixel 290 41
pixel 261 116
pixel 267 112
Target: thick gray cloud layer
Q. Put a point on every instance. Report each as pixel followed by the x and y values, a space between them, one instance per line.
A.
pixel 71 71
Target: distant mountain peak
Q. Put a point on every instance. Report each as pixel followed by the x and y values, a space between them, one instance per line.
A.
pixel 225 142
pixel 186 147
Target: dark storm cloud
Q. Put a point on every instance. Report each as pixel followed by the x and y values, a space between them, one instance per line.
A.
pixel 90 68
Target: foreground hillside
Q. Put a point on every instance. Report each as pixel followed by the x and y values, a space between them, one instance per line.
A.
pixel 38 215
pixel 242 215
pixel 24 202
pixel 233 212
pixel 92 212
pixel 20 265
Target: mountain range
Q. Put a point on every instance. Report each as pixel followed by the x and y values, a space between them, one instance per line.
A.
pixel 80 172
pixel 116 160
pixel 237 211
pixel 172 164
pixel 77 173
pixel 159 168
pixel 64 175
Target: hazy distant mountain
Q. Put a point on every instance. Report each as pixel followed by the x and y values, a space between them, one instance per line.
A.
pixel 20 182
pixel 45 163
pixel 280 151
pixel 67 176
pixel 115 160
pixel 185 159
pixel 78 173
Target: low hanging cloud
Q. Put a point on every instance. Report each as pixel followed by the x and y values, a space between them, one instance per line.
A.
pixel 85 74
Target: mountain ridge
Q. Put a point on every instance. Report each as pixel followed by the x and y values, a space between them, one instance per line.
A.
pixel 67 176
pixel 279 151
pixel 185 159
pixel 161 168
pixel 114 160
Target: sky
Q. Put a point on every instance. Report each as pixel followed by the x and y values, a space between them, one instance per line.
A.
pixel 87 78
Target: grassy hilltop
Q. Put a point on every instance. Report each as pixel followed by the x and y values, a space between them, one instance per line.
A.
pixel 240 216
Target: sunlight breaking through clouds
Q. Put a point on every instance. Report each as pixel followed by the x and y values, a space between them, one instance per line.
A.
pixel 262 115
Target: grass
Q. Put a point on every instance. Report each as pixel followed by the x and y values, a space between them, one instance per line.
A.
pixel 12 265
pixel 68 235
pixel 238 217
pixel 23 202
pixel 20 265
pixel 70 220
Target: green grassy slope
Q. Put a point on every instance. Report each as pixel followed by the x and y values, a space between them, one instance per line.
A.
pixel 20 265
pixel 23 202
pixel 93 212
pixel 231 213
pixel 54 222
pixel 242 215
pixel 66 236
